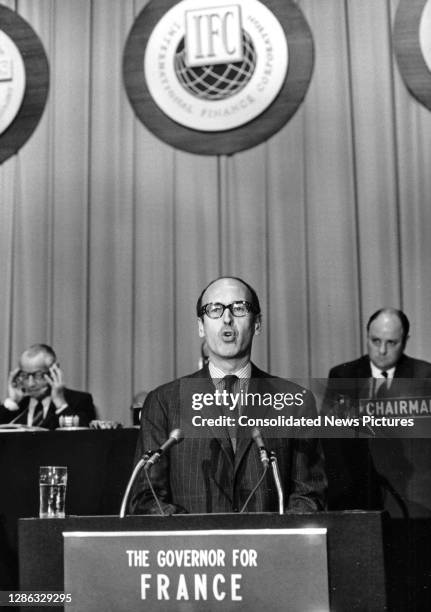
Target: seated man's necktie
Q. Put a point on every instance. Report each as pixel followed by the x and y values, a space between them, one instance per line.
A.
pixel 381 386
pixel 37 414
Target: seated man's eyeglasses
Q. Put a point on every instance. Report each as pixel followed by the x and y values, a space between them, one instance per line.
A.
pixel 215 310
pixel 38 376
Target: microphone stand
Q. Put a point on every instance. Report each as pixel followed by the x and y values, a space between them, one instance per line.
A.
pixel 18 416
pixel 276 474
pixel 138 468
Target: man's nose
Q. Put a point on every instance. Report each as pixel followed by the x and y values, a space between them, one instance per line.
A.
pixel 227 316
pixel 383 348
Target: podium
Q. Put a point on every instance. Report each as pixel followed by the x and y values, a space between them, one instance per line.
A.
pixel 355 558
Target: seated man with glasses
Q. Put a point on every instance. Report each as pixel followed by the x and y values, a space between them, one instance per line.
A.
pixel 37 395
pixel 217 469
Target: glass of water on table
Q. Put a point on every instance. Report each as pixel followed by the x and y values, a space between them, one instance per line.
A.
pixel 52 490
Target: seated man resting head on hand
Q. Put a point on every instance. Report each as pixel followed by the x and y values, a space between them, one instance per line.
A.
pixel 37 395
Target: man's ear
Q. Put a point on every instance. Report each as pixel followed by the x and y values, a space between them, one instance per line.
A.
pixel 201 328
pixel 257 324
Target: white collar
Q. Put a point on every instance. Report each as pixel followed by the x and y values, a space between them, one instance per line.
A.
pixel 216 373
pixel 45 402
pixel 377 372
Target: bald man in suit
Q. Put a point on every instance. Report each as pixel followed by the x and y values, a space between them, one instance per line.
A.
pixel 385 372
pixel 37 395
pixel 217 471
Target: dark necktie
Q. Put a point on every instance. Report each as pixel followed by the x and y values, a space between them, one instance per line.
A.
pixel 229 386
pixel 383 387
pixel 38 414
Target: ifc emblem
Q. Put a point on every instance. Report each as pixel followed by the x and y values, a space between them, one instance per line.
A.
pixel 216 68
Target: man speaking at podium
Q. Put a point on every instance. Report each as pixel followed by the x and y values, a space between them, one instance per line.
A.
pixel 217 473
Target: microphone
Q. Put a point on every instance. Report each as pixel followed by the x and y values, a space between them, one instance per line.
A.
pixel 146 463
pixel 257 437
pixel 174 437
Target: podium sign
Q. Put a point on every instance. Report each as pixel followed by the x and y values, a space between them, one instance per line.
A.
pixel 205 570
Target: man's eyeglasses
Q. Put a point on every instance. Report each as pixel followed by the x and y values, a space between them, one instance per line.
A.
pixel 38 376
pixel 215 310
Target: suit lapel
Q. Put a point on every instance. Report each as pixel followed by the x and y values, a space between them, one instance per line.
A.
pixel 220 433
pixel 242 446
pixel 404 382
pixel 364 368
pixel 403 368
pixel 259 385
pixel 363 377
pixel 49 422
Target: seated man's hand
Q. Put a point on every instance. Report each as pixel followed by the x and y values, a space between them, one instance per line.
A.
pixel 16 392
pixel 55 379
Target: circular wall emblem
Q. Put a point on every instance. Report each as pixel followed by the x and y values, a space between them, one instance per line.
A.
pixel 213 77
pixel 219 94
pixel 425 34
pixel 24 82
pixel 412 44
pixel 12 81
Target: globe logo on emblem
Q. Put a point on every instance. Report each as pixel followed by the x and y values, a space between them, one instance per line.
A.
pixel 218 81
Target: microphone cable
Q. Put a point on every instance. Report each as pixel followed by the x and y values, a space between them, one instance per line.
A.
pixel 255 488
pixel 150 484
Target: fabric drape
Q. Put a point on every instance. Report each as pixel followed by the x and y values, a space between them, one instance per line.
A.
pixel 107 235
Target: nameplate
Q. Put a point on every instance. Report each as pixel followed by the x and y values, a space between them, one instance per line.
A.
pixel 214 570
pixel 396 406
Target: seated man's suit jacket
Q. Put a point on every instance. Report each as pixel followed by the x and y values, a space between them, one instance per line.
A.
pixel 204 475
pixel 78 403
pixel 412 378
pixel 353 480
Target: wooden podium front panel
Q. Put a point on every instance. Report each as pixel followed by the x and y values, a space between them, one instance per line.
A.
pixel 197 571
pixel 355 547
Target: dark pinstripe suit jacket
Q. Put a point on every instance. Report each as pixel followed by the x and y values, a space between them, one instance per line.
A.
pixel 412 378
pixel 205 476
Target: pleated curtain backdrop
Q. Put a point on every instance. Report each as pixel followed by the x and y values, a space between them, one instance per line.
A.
pixel 107 235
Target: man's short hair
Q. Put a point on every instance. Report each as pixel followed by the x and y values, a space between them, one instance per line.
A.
pixel 253 295
pixel 36 349
pixel 405 323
